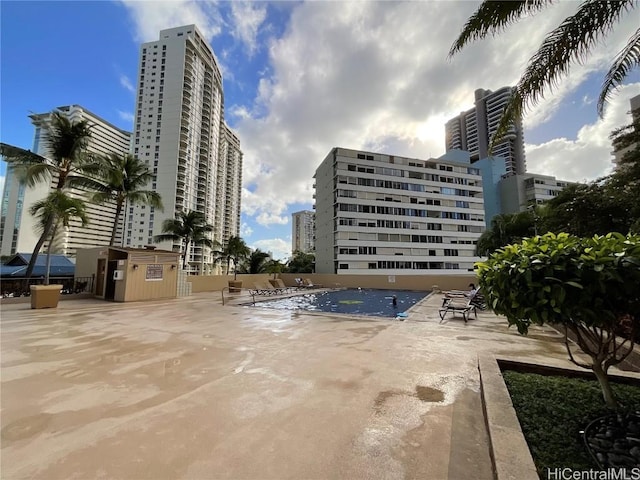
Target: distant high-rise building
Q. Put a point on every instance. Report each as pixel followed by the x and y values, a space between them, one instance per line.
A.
pixel 19 230
pixel 303 231
pixel 635 116
pixel 181 134
pixel 391 215
pixel 227 205
pixel 473 130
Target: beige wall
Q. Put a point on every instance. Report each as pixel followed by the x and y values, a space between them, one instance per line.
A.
pixel 87 261
pixel 400 282
pixel 213 283
pixel 135 287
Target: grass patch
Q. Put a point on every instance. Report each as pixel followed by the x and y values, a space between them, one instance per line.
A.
pixel 552 411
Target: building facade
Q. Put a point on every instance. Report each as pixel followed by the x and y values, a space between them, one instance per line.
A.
pixel 19 231
pixel 519 192
pixel 303 231
pixel 473 130
pixel 181 134
pixel 386 214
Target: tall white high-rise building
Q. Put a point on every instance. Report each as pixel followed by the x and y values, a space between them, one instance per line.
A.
pixel 303 231
pixel 229 190
pixel 391 215
pixel 473 130
pixel 180 133
pixel 18 229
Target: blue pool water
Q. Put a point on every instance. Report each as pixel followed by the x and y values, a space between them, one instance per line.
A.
pixel 377 303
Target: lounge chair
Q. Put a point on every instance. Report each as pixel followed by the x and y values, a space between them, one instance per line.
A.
pixel 463 306
pixel 263 289
pixel 309 284
pixel 300 284
pixel 279 284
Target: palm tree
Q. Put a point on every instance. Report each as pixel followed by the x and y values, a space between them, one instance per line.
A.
pixel 125 177
pixel 256 262
pixel 67 165
pixel 234 251
pixel 275 266
pixel 505 229
pixel 571 42
pixel 190 227
pixel 57 209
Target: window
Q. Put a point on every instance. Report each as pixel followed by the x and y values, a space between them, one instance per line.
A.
pixel 344 266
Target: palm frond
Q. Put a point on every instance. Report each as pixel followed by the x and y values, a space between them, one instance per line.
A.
pixel 625 61
pixel 493 17
pixel 570 42
pixel 84 183
pixel 36 173
pixel 20 156
pixel 59 208
pixel 66 138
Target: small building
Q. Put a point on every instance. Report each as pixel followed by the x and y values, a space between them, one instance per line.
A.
pixel 12 272
pixel 130 274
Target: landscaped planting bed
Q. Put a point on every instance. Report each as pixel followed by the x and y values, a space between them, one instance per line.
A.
pixel 553 411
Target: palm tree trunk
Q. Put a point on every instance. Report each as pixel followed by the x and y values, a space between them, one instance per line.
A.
pixel 48 263
pixel 116 222
pixel 184 257
pixel 36 251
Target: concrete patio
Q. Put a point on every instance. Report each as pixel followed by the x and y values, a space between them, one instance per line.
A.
pixel 190 389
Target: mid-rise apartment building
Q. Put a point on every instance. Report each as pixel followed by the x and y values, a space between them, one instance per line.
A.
pixel 387 214
pixel 474 129
pixel 303 231
pixel 181 134
pixel 19 231
pixel 518 192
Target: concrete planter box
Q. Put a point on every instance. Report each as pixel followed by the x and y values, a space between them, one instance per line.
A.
pixel 235 286
pixel 45 296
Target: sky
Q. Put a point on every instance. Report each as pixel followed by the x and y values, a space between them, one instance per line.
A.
pixel 303 77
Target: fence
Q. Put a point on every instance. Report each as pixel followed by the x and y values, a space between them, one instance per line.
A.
pixel 19 287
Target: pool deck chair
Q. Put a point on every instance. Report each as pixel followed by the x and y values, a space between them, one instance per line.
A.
pixel 301 285
pixel 309 284
pixel 458 306
pixel 279 284
pixel 262 289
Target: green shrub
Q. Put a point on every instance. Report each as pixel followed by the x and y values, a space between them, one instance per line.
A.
pixel 586 286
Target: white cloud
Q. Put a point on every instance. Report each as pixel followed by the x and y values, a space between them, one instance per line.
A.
pixel 374 75
pixel 589 155
pixel 280 249
pixel 247 19
pixel 268 218
pixel 126 116
pixel 370 75
pixel 245 230
pixel 151 17
pixel 126 83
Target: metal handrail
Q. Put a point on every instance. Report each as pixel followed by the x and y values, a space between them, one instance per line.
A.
pixel 253 295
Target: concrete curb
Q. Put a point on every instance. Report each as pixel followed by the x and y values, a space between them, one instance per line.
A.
pixel 510 453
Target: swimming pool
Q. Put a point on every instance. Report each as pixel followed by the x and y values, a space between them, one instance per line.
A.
pixel 353 301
